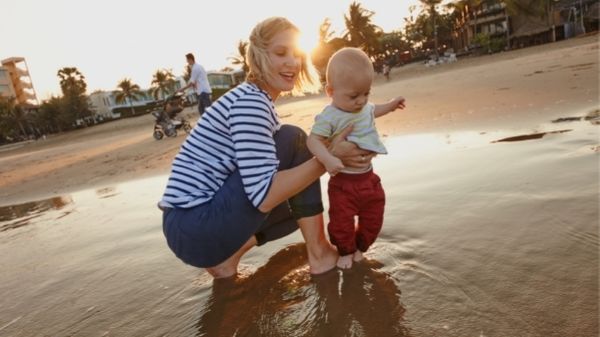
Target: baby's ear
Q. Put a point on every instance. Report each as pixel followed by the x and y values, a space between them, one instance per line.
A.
pixel 328 90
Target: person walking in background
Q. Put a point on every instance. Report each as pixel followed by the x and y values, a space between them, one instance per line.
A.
pixel 352 191
pixel 199 82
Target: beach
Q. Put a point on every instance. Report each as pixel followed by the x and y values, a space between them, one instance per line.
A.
pixel 491 222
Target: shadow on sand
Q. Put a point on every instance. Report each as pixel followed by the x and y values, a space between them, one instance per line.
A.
pixel 282 299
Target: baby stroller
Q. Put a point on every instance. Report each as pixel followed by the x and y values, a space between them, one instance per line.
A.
pixel 166 123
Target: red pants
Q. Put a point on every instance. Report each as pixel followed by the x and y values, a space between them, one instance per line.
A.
pixel 353 195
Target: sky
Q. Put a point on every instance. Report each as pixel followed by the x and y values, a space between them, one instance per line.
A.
pixel 114 39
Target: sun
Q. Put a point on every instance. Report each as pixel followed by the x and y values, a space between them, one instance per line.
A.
pixel 307 42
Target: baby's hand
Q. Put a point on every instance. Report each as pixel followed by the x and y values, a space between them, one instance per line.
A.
pixel 396 103
pixel 333 165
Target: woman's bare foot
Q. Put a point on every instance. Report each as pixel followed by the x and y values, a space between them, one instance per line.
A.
pixel 229 267
pixel 323 262
pixel 358 256
pixel 321 255
pixel 345 262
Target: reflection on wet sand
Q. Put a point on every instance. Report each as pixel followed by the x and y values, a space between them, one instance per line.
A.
pixel 24 213
pixel 282 299
pixel 483 240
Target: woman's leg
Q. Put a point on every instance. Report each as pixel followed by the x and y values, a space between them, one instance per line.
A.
pixel 304 210
pixel 306 207
pixel 322 256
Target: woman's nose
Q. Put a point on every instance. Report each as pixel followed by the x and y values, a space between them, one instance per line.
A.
pixel 291 61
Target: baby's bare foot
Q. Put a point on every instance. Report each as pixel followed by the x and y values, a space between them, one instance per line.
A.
pixel 345 262
pixel 358 256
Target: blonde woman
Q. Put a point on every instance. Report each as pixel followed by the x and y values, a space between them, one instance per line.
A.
pixel 242 178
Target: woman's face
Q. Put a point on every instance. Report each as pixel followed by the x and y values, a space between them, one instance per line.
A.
pixel 286 61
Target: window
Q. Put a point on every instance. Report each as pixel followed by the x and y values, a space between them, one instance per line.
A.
pixel 4 89
pixel 3 74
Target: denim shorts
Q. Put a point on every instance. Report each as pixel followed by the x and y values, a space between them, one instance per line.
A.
pixel 206 235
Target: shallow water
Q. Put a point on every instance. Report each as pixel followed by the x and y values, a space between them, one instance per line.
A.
pixel 481 238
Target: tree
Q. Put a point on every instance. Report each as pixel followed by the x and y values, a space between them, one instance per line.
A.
pixel 163 82
pixel 71 79
pixel 75 102
pixel 430 7
pixel 360 31
pixel 48 116
pixel 392 44
pixel 241 58
pixel 326 47
pixel 129 92
pixel 12 118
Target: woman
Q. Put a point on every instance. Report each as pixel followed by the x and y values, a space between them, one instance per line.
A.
pixel 241 178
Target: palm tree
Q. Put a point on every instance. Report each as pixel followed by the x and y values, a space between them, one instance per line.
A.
pixel 360 31
pixel 76 107
pixel 128 92
pixel 327 45
pixel 163 82
pixel 430 7
pixel 240 58
pixel 71 79
pixel 325 34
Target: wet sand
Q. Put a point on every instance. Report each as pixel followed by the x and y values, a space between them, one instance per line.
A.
pixel 491 224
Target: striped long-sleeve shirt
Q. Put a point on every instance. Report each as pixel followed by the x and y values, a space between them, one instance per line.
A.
pixel 236 132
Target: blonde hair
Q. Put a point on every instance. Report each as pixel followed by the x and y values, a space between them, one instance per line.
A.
pixel 348 64
pixel 258 56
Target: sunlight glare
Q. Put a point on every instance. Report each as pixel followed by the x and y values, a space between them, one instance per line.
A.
pixel 307 42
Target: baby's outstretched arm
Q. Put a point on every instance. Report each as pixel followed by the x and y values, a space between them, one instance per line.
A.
pixel 316 145
pixel 393 104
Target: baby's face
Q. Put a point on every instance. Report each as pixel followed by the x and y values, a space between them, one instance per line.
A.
pixel 350 95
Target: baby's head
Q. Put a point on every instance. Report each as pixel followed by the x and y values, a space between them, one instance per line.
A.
pixel 349 77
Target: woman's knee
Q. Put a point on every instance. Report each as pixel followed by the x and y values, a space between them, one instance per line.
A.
pixel 291 134
pixel 290 143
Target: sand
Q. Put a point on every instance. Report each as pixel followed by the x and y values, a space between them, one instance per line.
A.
pixel 490 229
pixel 504 90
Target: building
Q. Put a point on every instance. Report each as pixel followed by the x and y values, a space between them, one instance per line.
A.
pixel 15 81
pixel 104 104
pixel 489 18
pixel 563 19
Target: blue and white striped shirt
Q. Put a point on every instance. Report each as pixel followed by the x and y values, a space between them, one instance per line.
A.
pixel 235 132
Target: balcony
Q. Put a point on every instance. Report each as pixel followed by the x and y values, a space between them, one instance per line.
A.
pixel 22 72
pixel 488 18
pixel 24 85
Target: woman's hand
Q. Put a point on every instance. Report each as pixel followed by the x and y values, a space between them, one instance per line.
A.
pixel 350 154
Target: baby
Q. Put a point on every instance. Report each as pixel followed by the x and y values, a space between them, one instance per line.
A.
pixel 351 192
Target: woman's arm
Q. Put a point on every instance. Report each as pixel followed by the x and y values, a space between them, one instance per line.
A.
pixel 316 145
pixel 287 183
